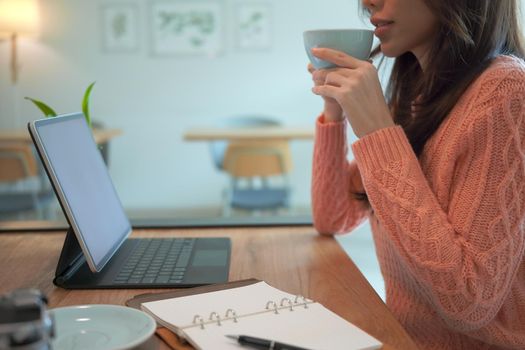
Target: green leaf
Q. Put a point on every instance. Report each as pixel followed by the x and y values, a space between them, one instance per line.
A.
pixel 85 103
pixel 48 111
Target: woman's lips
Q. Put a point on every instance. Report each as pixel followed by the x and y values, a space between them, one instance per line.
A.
pixel 382 27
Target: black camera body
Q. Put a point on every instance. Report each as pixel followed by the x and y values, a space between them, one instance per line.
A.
pixel 25 323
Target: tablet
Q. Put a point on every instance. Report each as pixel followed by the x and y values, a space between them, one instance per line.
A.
pixel 83 186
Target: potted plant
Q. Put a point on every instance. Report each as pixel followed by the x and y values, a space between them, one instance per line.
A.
pixel 49 112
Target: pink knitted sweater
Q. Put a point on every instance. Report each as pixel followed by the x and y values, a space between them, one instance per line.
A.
pixel 449 227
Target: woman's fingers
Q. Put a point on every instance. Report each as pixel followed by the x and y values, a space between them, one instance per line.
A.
pixel 335 79
pixel 322 76
pixel 311 68
pixel 337 84
pixel 319 76
pixel 338 58
pixel 326 91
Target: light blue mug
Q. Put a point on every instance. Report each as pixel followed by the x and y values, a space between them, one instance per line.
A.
pixel 355 42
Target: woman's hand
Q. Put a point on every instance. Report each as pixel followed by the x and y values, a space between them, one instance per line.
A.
pixel 332 110
pixel 356 88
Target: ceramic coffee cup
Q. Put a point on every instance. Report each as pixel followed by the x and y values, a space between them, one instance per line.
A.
pixel 355 42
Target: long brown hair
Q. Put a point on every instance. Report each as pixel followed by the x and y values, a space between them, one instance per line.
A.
pixel 471 34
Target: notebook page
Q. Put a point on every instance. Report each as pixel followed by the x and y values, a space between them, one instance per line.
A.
pixel 315 328
pixel 180 312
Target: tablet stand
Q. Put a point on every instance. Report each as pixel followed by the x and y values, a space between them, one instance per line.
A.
pixel 71 258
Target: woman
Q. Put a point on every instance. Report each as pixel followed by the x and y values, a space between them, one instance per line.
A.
pixel 439 166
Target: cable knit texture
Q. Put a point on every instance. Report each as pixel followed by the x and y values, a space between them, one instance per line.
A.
pixel 449 227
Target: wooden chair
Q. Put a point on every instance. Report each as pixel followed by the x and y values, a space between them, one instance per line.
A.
pixel 261 164
pixel 218 148
pixel 18 165
pixel 16 162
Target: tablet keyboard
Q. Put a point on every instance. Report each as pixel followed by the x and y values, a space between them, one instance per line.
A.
pixel 157 261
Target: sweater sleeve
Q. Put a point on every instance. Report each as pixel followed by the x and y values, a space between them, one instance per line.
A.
pixel 334 180
pixel 464 257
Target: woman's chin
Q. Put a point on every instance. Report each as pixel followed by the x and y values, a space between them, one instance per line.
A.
pixel 390 50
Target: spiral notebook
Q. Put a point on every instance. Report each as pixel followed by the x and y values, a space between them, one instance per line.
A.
pixel 258 310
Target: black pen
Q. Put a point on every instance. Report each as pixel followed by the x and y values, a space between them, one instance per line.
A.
pixel 259 343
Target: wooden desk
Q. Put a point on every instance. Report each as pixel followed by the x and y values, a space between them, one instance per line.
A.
pixel 294 259
pixel 100 135
pixel 252 134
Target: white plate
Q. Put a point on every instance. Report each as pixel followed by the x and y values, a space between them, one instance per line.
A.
pixel 100 327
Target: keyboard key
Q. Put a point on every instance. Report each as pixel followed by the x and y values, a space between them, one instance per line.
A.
pixel 162 279
pixel 184 259
pixel 157 260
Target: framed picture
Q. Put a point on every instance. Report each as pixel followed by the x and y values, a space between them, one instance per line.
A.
pixel 186 27
pixel 120 27
pixel 253 26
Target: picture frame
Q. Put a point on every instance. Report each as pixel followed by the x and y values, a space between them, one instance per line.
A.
pixel 253 26
pixel 120 32
pixel 186 27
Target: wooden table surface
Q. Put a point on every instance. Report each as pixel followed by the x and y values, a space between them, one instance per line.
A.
pixel 251 134
pixel 294 259
pixel 22 135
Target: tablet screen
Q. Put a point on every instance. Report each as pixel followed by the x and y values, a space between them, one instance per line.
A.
pixel 83 185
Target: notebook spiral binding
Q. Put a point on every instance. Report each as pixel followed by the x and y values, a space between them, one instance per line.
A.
pixel 270 304
pixel 305 301
pixel 290 304
pixel 217 317
pixel 234 314
pixel 231 314
pixel 197 319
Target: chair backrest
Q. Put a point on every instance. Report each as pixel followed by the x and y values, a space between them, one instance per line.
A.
pixel 257 158
pixel 218 148
pixel 17 161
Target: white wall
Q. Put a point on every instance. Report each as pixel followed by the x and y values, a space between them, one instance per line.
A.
pixel 155 99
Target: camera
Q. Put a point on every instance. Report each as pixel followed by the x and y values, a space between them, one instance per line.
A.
pixel 25 323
